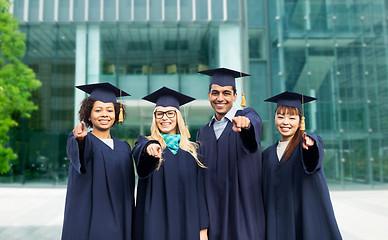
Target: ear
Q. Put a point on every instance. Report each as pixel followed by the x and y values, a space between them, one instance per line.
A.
pixel 234 97
pixel 208 96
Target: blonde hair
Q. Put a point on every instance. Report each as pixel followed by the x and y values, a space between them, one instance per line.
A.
pixel 185 144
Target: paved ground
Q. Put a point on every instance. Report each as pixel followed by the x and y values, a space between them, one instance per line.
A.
pixel 31 213
pixel 37 213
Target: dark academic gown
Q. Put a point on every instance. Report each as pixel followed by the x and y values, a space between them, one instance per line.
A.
pixel 233 180
pixel 296 196
pixel 170 203
pixel 100 191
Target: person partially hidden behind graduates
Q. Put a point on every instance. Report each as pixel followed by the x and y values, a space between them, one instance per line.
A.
pixel 170 201
pixel 100 189
pixel 296 196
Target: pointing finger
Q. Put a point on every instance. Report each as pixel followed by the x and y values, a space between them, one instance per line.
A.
pixel 236 129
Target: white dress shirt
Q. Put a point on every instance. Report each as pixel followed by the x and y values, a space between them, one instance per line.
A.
pixel 219 126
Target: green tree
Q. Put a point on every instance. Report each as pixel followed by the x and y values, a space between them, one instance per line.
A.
pixel 16 81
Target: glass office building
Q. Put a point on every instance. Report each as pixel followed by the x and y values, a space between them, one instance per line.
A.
pixel 335 50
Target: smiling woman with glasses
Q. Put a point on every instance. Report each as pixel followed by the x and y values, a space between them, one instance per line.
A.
pixel 170 201
pixel 169 114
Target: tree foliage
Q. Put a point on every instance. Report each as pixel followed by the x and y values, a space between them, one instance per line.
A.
pixel 16 81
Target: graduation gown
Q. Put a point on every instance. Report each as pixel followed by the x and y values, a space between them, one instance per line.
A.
pixel 233 180
pixel 296 196
pixel 100 191
pixel 170 203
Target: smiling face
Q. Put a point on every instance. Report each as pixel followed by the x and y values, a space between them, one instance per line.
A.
pixel 221 99
pixel 102 116
pixel 287 122
pixel 166 120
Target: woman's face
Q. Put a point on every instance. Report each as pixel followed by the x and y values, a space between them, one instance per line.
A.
pixel 102 116
pixel 165 118
pixel 287 124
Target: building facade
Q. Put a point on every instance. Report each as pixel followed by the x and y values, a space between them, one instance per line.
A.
pixel 335 50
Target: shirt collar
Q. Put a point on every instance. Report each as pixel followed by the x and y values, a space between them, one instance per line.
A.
pixel 229 115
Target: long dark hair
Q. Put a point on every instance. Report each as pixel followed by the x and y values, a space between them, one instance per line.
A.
pixel 295 140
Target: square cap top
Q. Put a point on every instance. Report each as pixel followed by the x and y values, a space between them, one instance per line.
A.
pixel 166 97
pixel 223 76
pixel 104 92
pixel 290 99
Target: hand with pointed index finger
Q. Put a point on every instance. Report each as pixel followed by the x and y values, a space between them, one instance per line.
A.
pixel 240 123
pixel 80 131
pixel 154 150
pixel 307 141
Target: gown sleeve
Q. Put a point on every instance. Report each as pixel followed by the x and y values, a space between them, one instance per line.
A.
pixel 313 157
pixel 78 156
pixel 250 137
pixel 145 164
pixel 203 211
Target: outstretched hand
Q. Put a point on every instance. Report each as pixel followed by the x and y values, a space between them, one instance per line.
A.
pixel 307 141
pixel 80 131
pixel 240 122
pixel 154 150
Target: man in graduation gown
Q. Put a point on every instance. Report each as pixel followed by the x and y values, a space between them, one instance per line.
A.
pixel 230 149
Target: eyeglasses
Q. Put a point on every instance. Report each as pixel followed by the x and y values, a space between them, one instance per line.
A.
pixel 160 114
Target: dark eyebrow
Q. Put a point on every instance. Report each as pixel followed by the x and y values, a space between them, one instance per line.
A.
pixel 103 107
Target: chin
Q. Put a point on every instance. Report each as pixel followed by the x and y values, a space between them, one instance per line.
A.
pixel 105 127
pixel 165 131
pixel 222 112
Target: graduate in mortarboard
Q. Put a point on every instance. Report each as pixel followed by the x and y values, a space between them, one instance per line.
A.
pixel 230 149
pixel 100 189
pixel 296 196
pixel 170 202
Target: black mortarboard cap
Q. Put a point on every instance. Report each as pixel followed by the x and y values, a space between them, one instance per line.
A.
pixel 290 99
pixel 223 76
pixel 104 92
pixel 167 97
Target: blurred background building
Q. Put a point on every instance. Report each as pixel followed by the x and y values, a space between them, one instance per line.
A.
pixel 336 50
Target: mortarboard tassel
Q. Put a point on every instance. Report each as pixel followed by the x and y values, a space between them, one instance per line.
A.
pixel 188 132
pixel 302 124
pixel 243 101
pixel 187 127
pixel 121 115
